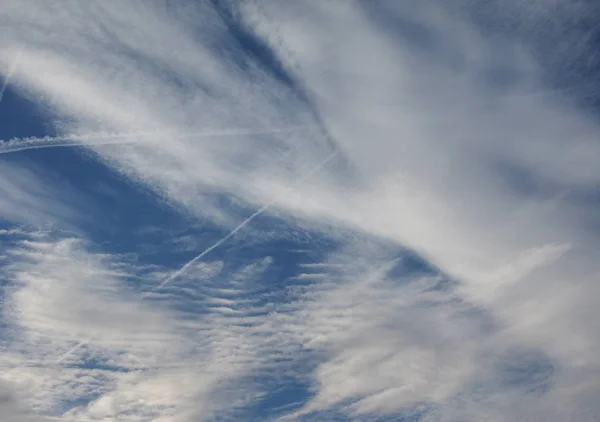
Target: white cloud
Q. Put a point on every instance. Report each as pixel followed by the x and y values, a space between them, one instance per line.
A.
pixel 180 352
pixel 60 294
pixel 434 155
pixel 11 409
pixel 390 343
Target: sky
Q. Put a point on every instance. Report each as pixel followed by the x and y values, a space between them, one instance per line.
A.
pixel 258 210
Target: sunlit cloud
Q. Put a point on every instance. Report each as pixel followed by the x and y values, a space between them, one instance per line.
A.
pixel 383 130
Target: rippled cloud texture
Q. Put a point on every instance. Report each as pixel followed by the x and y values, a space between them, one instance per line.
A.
pixel 299 211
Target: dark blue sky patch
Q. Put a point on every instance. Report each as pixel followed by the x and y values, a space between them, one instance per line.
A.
pixel 120 208
pixel 21 116
pixel 246 47
pixel 281 394
pixel 565 41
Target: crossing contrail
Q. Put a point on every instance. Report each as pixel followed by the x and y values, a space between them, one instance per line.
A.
pixel 9 75
pixel 218 243
pixel 99 139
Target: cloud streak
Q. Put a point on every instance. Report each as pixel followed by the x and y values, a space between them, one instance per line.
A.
pixel 9 74
pixel 440 149
pixel 24 144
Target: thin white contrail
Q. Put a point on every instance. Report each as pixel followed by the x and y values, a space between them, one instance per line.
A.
pixel 240 226
pixel 219 242
pixel 96 139
pixel 11 146
pixel 9 75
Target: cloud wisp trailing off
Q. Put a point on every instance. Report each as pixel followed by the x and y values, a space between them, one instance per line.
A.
pixel 410 235
pixel 8 75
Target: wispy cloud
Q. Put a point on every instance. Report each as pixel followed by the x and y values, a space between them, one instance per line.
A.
pixel 447 141
pixel 8 75
pixel 32 195
pixel 59 293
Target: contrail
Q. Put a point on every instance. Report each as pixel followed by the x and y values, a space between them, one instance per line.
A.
pixel 240 226
pixel 99 139
pixel 71 350
pixel 50 142
pixel 219 242
pixel 9 74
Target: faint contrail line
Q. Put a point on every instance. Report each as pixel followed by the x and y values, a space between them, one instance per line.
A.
pixel 99 139
pixel 71 350
pixel 9 74
pixel 240 226
pixel 218 243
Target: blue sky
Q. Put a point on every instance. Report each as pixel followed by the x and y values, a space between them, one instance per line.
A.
pixel 299 211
